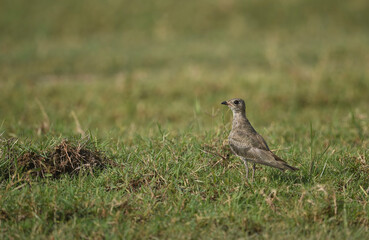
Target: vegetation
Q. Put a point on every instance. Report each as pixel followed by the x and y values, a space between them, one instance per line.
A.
pixel 140 82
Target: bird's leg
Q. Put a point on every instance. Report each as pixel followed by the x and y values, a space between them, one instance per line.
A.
pixel 247 168
pixel 253 171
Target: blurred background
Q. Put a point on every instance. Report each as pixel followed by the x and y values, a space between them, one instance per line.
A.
pixel 125 66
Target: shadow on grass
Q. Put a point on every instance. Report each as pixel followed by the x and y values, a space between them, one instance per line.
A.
pixel 294 178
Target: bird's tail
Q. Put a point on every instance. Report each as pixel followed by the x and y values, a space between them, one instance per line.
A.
pixel 288 167
pixel 284 164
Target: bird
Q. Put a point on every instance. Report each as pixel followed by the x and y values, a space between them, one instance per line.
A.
pixel 248 144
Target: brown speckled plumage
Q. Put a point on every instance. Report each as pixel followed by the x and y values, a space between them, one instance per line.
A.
pixel 249 145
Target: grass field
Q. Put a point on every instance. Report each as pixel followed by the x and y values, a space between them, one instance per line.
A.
pixel 142 81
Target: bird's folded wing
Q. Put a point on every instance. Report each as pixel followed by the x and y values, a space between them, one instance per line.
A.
pixel 261 141
pixel 249 139
pixel 269 159
pixel 255 155
pixel 263 157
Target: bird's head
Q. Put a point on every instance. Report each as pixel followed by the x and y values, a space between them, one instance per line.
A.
pixel 237 105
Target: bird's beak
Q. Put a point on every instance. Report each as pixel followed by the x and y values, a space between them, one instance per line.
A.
pixel 224 103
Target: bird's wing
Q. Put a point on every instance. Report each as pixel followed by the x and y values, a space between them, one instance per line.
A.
pixel 249 139
pixel 256 155
pixel 261 142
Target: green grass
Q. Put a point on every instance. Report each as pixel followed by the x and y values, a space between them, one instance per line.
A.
pixel 145 81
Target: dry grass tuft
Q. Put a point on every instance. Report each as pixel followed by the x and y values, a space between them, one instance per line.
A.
pixel 65 158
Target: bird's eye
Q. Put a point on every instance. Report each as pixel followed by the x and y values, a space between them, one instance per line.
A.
pixel 236 102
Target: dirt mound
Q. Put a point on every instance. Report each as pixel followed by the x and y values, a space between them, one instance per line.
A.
pixel 64 158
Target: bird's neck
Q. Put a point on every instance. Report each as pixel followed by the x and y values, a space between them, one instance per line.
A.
pixel 240 121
